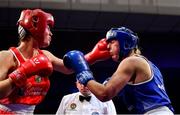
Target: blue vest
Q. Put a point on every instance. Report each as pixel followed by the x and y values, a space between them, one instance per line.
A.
pixel 142 97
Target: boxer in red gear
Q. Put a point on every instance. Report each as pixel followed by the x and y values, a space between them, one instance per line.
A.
pixel 24 69
pixel 23 82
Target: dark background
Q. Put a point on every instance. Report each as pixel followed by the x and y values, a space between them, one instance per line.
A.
pixel 161 47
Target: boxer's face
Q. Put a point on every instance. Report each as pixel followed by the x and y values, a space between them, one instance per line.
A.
pixel 47 37
pixel 114 49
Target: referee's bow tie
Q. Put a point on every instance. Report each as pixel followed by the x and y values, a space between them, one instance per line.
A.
pixel 82 98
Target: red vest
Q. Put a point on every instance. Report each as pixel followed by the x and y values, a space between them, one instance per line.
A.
pixel 35 89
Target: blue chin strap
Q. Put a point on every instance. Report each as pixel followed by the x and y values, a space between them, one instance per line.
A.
pixel 127 39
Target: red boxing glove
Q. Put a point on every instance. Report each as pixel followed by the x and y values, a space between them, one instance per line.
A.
pixel 39 65
pixel 99 53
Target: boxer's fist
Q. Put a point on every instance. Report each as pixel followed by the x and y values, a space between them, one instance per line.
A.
pixel 84 76
pixel 39 65
pixel 99 53
pixel 76 61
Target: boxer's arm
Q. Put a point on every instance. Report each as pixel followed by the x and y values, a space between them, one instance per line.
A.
pixel 122 75
pixel 7 63
pixel 57 63
pixel 38 65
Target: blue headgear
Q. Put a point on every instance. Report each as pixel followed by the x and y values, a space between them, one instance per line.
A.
pixel 127 39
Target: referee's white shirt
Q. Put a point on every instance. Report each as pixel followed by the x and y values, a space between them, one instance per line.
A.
pixel 70 105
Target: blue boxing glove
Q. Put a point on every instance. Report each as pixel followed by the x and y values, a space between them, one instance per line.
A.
pixel 84 76
pixel 75 60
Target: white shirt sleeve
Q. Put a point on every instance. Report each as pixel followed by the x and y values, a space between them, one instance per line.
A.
pixel 61 109
pixel 111 110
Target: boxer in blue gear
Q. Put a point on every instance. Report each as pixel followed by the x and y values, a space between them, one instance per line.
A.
pixel 138 80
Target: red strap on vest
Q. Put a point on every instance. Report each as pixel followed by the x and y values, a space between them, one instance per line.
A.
pixel 17 54
pixel 40 51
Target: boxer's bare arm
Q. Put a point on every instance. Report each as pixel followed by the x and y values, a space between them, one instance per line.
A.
pixel 58 64
pixel 6 62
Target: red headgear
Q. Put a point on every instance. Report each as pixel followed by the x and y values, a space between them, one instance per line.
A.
pixel 36 21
